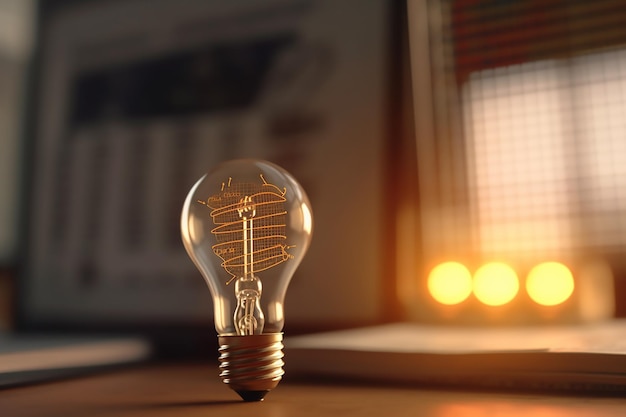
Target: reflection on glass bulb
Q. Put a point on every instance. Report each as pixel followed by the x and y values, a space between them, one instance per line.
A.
pixel 247 225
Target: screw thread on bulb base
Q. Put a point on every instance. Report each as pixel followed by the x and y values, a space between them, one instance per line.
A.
pixel 251 365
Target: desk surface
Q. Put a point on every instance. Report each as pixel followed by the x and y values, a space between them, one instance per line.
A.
pixel 196 390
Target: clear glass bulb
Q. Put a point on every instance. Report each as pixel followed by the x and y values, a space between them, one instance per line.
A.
pixel 247 225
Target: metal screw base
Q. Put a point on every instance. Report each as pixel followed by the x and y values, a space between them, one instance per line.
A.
pixel 251 365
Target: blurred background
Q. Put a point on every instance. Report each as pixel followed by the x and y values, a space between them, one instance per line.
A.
pixel 520 136
pixel 112 111
pixel 463 158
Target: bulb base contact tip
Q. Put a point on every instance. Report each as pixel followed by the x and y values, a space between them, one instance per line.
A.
pixel 251 365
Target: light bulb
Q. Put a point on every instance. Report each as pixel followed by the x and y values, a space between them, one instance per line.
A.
pixel 247 225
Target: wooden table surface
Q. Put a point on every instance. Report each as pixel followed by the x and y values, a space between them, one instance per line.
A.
pixel 196 390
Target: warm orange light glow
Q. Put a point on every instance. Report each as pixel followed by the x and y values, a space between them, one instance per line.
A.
pixel 450 283
pixel 495 284
pixel 550 283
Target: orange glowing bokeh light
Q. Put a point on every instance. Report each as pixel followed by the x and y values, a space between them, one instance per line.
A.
pixel 450 283
pixel 550 283
pixel 495 284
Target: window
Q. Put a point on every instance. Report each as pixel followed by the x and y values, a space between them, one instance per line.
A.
pixel 546 141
